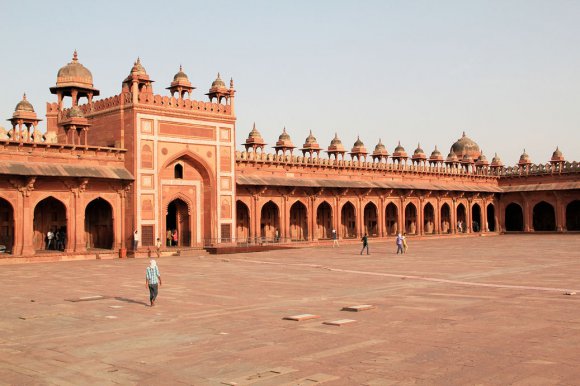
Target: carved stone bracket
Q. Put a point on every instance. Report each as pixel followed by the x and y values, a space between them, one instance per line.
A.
pixel 77 187
pixel 24 187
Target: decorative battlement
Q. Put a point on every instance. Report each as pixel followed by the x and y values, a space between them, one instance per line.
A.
pixel 439 168
pixel 184 104
pixel 98 153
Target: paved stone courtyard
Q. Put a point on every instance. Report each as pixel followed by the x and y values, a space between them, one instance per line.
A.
pixel 459 311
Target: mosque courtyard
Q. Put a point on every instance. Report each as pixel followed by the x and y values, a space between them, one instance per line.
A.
pixel 495 310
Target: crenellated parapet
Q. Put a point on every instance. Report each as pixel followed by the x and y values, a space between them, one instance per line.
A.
pixel 314 163
pixel 97 154
pixel 540 169
pixel 184 104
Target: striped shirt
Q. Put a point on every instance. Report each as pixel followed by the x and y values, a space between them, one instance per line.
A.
pixel 152 274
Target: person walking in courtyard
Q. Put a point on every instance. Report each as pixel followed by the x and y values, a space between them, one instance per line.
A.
pixel 399 243
pixel 365 241
pixel 174 236
pixel 334 239
pixel 405 246
pixel 158 247
pixel 169 237
pixel 135 240
pixel 49 238
pixel 153 281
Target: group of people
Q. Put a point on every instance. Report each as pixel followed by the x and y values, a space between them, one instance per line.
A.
pixel 401 242
pixel 171 238
pixel 55 239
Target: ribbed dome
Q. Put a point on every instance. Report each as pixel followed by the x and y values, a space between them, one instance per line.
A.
pixel 524 158
pixel 180 75
pixel 218 83
pixel 418 150
pixel 399 148
pixel 74 73
pixel 335 141
pixel 137 68
pixel 311 139
pixel 556 154
pixel 435 152
pixel 254 133
pixel 358 142
pixel 24 105
pixel 284 136
pixel 496 161
pixel 451 157
pixel 466 145
pixel 380 147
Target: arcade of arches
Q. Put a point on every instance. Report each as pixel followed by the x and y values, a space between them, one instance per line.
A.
pixel 314 217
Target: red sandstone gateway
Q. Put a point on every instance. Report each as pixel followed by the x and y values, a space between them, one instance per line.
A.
pixel 143 161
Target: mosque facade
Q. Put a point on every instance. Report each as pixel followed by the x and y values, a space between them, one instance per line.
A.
pixel 166 166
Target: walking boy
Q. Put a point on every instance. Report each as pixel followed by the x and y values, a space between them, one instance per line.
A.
pixel 153 281
pixel 334 239
pixel 365 242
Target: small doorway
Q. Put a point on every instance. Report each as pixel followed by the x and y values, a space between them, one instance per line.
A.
pixel 178 220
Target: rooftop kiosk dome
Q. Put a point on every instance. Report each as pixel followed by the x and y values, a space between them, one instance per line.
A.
pixel 466 145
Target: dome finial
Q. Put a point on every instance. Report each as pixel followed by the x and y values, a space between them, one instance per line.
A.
pixel 24 97
pixel 464 134
pixel 75 56
pixel 231 82
pixel 180 67
pixel 219 75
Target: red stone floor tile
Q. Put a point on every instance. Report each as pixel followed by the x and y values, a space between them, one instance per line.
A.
pixel 468 310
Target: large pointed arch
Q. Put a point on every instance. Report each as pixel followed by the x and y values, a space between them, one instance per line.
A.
pixel 348 221
pixel 514 218
pixel 6 226
pixel 428 218
pixel 206 214
pixel 270 221
pixel 99 229
pixel 573 216
pixel 411 218
pixel 298 221
pixel 392 219
pixel 446 226
pixel 50 214
pixel 242 221
pixel 544 217
pixel 371 221
pixel 324 221
pixel 476 218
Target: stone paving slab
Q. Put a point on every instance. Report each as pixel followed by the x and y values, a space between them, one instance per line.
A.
pixel 470 310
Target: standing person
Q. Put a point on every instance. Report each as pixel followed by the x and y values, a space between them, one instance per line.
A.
pixel 365 242
pixel 168 237
pixel 158 247
pixel 135 240
pixel 405 246
pixel 175 237
pixel 153 281
pixel 334 239
pixel 49 238
pixel 400 244
pixel 276 235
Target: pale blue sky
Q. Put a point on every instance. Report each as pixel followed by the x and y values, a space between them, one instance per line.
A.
pixel 506 72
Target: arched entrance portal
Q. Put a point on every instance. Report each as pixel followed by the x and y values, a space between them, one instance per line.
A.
pixel 324 221
pixel 491 218
pixel 298 222
pixel 411 219
pixel 429 219
pixel 99 224
pixel 461 219
pixel 445 218
pixel 391 219
pixel 6 226
pixel 514 218
pixel 269 221
pixel 370 220
pixel 476 218
pixel 348 221
pixel 178 219
pixel 573 216
pixel 49 214
pixel 544 217
pixel 242 222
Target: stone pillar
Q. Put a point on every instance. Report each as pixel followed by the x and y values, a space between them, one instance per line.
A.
pixel 453 216
pixel 359 214
pixel 311 218
pixel 421 217
pixel 437 217
pixel 527 216
pixel 381 216
pixel 560 212
pixel 468 219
